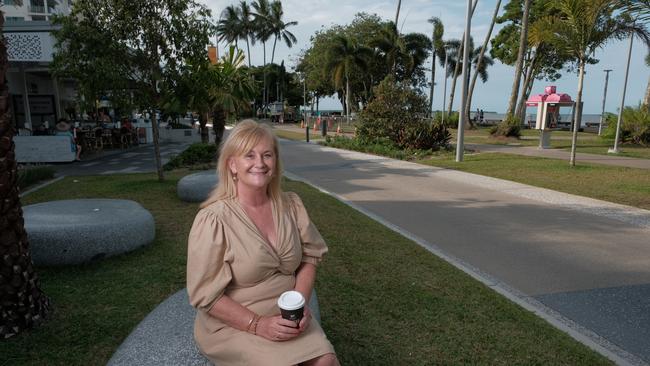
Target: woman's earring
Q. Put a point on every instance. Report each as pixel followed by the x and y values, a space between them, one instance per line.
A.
pixel 234 177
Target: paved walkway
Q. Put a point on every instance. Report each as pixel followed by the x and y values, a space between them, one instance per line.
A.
pixel 615 160
pixel 582 264
pixel 138 159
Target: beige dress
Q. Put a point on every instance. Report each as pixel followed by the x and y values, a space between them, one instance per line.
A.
pixel 227 255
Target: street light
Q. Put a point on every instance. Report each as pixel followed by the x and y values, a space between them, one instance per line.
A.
pixel 602 113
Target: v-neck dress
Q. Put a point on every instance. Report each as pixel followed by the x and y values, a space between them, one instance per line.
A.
pixel 227 255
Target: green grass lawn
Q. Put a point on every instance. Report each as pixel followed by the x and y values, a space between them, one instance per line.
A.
pixel 587 142
pixel 627 186
pixel 384 300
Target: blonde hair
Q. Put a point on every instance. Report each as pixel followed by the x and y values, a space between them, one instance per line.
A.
pixel 240 141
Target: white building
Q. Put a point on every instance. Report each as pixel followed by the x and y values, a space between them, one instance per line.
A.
pixel 34 9
pixel 35 96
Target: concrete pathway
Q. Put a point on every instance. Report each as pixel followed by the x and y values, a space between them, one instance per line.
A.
pixel 139 159
pixel 582 264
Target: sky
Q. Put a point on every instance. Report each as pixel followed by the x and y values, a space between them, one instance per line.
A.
pixel 493 95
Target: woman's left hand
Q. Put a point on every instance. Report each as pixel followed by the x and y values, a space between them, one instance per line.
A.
pixel 306 320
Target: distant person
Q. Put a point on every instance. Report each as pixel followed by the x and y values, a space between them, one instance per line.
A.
pixel 480 116
pixel 63 129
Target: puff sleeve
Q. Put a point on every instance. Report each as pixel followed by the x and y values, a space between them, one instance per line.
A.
pixel 208 267
pixel 313 244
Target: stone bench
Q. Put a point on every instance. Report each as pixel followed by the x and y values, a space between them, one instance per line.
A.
pixel 78 231
pixel 196 187
pixel 165 336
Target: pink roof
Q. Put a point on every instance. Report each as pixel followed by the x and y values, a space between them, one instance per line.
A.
pixel 558 98
pixel 537 98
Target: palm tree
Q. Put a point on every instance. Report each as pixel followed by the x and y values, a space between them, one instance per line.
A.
pixel 523 39
pixel 247 27
pixel 479 63
pixel 279 27
pixel 263 33
pixel 344 54
pixel 22 303
pixel 231 89
pixel 439 49
pixel 646 98
pixel 580 28
pixel 229 26
pixel 403 54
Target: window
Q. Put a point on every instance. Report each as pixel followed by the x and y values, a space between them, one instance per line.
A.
pixel 14 19
pixel 39 17
pixel 11 2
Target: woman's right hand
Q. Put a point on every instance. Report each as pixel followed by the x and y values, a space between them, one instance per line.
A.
pixel 276 328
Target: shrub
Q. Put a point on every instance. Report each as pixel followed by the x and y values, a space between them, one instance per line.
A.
pixel 509 127
pixel 395 114
pixel 197 153
pixel 28 176
pixel 635 126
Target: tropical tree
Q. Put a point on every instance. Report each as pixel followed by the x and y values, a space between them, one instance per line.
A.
pixel 404 55
pixel 157 37
pixel 455 54
pixel 345 53
pixel 247 27
pixel 279 27
pixel 263 33
pixel 580 28
pixel 230 26
pixel 542 60
pixel 438 50
pixel 22 303
pixel 523 40
pixel 646 98
pixel 455 67
pixel 231 89
pixel 479 63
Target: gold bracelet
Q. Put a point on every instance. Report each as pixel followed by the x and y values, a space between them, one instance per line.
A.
pixel 250 322
pixel 254 327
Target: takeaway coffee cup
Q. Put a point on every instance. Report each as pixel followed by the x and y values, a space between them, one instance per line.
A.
pixel 292 305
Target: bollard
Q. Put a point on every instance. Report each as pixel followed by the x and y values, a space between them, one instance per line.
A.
pixel 324 128
pixel 307 132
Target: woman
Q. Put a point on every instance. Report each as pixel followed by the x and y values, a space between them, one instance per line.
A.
pixel 249 243
pixel 63 129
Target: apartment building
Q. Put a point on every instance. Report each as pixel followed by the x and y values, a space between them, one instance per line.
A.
pixel 36 97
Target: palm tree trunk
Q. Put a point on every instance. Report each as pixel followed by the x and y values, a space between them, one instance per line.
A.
pixel 22 303
pixel 203 120
pixel 399 5
pixel 646 98
pixel 468 107
pixel 529 78
pixel 347 96
pixel 248 49
pixel 520 59
pixel 433 78
pixel 264 76
pixel 218 124
pixel 273 53
pixel 453 89
pixel 578 114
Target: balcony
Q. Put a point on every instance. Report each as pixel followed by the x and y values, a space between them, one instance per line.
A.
pixel 37 9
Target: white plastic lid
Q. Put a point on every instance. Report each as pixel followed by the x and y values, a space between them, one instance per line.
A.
pixel 291 300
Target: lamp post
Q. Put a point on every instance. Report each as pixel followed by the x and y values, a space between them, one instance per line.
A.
pixel 304 105
pixel 602 113
pixel 620 111
pixel 463 106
